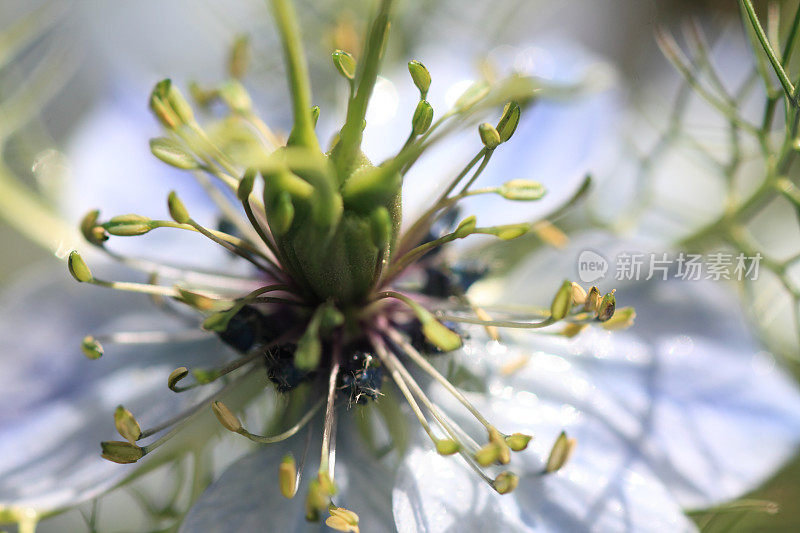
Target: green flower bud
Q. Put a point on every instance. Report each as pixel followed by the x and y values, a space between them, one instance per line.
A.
pixel 344 63
pixel 506 482
pixel 287 476
pixel 172 153
pixel 421 77
pixel 175 376
pixel 607 306
pixel 508 121
pixel 447 447
pixel 518 441
pixel 562 302
pixel 560 453
pixel 521 190
pixel 236 97
pixel 91 230
pixel 380 223
pixel 246 184
pixel 239 58
pixel 176 208
pixel 77 267
pixel 489 136
pixel 225 416
pixel 128 225
pixel 91 348
pixel 121 452
pixel 126 424
pixel 423 116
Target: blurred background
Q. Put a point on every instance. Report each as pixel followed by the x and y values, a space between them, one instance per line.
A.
pixel 77 75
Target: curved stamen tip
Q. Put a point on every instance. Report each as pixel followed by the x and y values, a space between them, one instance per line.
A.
pixel 126 424
pixel 175 376
pixel 225 416
pixel 506 482
pixel 121 452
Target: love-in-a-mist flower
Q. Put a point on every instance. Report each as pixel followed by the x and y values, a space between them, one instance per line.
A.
pixel 337 302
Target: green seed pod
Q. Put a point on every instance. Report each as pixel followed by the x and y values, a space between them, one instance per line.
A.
pixel 344 63
pixel 423 116
pixel 508 121
pixel 172 153
pixel 489 136
pixel 421 77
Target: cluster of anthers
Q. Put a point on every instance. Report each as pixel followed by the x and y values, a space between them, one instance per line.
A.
pixel 340 299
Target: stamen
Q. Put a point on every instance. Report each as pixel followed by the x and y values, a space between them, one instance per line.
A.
pixel 330 413
pixel 206 376
pixel 436 332
pixel 272 439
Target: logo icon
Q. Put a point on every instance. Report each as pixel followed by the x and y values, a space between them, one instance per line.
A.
pixel 591 266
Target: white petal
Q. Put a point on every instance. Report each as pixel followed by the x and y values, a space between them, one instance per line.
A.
pixel 247 496
pixel 57 405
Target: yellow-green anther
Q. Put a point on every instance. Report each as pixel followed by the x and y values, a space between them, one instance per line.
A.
pixel 225 417
pixel 317 499
pixel 126 424
pixel 77 267
pixel 521 190
pixel 441 336
pixel 246 184
pixel 421 77
pixel 90 230
pixel 506 482
pixel 342 519
pixel 169 105
pixel 287 476
pixel 474 94
pixel 489 136
pixel 607 306
pixel 560 453
pixel 562 302
pixel 447 446
pixel 592 302
pixel 172 153
pixel 121 452
pixel 572 330
pixel 91 348
pixel 508 121
pixel 488 455
pixel 239 58
pixel 518 441
pixel 578 294
pixel 177 210
pixel 466 227
pixel 506 233
pixel 314 115
pixel 380 224
pixel 344 63
pixel 622 319
pixel 128 225
pixel 423 116
pixel 175 376
pixel 281 214
pixel 236 97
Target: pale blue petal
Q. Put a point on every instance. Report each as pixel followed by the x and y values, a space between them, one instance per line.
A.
pixel 247 496
pixel 57 405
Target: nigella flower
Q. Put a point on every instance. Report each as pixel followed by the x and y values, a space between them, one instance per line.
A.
pixel 329 325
